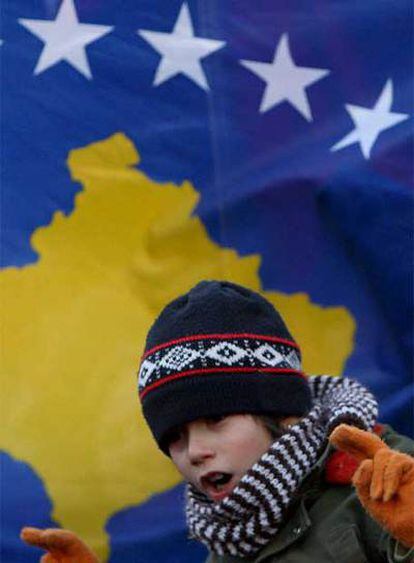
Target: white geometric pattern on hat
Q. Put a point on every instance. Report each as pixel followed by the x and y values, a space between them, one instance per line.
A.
pixel 208 353
pixel 179 357
pixel 145 372
pixel 268 355
pixel 293 359
pixel 226 352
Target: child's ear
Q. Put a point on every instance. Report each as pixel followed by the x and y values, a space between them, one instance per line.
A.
pixel 289 421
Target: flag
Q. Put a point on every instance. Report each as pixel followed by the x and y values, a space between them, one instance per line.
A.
pixel 147 146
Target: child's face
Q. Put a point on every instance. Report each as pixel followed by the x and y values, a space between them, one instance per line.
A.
pixel 214 453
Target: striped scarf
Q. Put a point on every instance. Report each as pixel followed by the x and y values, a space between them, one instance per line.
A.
pixel 247 519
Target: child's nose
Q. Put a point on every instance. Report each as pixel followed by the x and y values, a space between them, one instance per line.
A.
pixel 200 447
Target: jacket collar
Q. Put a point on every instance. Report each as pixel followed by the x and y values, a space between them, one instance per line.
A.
pixel 299 521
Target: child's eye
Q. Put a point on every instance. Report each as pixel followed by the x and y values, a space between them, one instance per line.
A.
pixel 174 436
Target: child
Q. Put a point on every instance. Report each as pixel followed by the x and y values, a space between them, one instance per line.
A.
pixel 223 393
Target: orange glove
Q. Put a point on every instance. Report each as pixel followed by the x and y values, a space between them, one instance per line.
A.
pixel 384 480
pixel 62 546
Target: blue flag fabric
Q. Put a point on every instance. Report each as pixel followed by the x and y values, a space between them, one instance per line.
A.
pixel 293 121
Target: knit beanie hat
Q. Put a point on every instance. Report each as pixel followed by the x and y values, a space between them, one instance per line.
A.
pixel 220 349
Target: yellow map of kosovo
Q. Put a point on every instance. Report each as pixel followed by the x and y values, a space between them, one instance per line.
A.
pixel 74 328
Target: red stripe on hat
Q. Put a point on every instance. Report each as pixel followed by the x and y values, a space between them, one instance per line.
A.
pixel 227 371
pixel 220 336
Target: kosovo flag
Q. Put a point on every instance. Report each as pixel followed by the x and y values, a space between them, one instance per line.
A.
pixel 147 145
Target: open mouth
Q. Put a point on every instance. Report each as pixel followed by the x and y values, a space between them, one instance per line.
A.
pixel 217 484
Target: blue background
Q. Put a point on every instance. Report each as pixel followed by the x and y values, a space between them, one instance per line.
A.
pixel 330 224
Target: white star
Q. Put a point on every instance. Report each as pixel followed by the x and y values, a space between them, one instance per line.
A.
pixel 284 80
pixel 180 50
pixel 65 39
pixel 370 122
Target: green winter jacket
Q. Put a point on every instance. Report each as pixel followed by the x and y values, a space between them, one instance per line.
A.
pixel 329 524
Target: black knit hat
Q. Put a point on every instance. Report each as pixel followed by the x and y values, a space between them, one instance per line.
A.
pixel 219 349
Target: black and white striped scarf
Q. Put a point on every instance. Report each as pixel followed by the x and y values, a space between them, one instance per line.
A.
pixel 246 520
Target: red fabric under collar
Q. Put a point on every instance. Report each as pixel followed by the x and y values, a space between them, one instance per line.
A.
pixel 340 466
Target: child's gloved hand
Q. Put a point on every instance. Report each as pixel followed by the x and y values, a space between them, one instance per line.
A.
pixel 62 546
pixel 384 480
